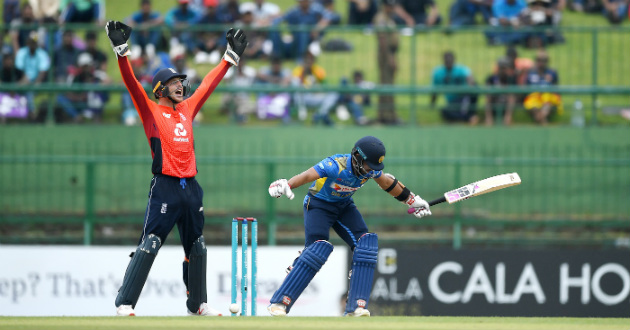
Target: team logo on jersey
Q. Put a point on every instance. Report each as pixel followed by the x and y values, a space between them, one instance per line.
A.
pixel 182 116
pixel 342 188
pixel 167 115
pixel 180 132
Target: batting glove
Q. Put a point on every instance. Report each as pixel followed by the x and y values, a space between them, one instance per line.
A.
pixel 279 188
pixel 118 34
pixel 237 42
pixel 419 206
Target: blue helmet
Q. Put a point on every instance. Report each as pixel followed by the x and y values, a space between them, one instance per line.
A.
pixel 368 150
pixel 161 77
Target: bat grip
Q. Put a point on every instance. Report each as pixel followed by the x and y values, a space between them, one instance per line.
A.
pixel 431 203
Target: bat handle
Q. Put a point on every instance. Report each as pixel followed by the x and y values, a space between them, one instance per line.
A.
pixel 431 203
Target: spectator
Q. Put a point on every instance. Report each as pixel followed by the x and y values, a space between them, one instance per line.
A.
pixel 542 105
pixel 418 12
pixel 329 5
pixel 615 11
pixel 228 11
pixel 459 107
pixel 100 59
pixel 305 15
pixel 587 6
pixel 309 75
pixel 146 22
pixel 83 11
pixel 506 14
pixel 86 104
pixel 521 65
pixel 356 102
pixel 264 12
pixel 178 59
pixel 239 103
pixel 362 12
pixel 541 13
pixel 12 105
pixel 46 11
pixel 388 44
pixel 35 63
pixel 65 57
pixel 210 43
pixel 257 46
pixel 464 12
pixel 274 105
pixel 179 19
pixel 501 105
pixel 22 27
pixel 10 11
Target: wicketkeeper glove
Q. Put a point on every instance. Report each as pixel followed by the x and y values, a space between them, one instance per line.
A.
pixel 237 42
pixel 419 205
pixel 118 34
pixel 279 188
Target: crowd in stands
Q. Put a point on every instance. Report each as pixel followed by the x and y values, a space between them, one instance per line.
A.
pixel 32 54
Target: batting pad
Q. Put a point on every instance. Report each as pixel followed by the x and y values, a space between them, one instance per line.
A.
pixel 197 292
pixel 138 271
pixel 306 266
pixel 363 264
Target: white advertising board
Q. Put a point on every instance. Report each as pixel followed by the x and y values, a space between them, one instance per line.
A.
pixel 84 281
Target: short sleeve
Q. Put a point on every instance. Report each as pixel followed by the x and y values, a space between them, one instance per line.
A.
pixel 327 168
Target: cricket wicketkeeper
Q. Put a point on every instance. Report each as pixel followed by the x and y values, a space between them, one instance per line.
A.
pixel 175 197
pixel 329 204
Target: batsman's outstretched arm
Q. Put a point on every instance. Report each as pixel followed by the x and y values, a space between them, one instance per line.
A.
pixel 391 185
pixel 283 187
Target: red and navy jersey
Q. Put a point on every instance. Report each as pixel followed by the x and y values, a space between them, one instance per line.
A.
pixel 170 131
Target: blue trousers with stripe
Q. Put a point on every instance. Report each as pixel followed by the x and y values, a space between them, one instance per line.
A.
pixel 174 201
pixel 342 217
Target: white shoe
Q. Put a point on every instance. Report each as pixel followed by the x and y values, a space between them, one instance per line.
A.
pixel 359 312
pixel 277 310
pixel 205 310
pixel 125 310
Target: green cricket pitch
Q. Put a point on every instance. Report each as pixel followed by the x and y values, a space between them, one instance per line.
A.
pixel 328 323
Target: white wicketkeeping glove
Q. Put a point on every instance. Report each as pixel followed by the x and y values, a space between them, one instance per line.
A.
pixel 279 188
pixel 419 206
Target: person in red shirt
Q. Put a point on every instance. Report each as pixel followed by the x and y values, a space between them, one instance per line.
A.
pixel 175 197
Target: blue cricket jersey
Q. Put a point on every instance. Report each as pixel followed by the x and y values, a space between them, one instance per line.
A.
pixel 337 182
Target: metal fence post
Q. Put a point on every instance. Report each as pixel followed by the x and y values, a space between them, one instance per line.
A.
pixel 271 207
pixel 88 223
pixel 457 225
pixel 412 66
pixel 594 76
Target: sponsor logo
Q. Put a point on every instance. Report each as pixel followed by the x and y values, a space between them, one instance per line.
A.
pixel 172 70
pixel 342 188
pixel 361 303
pixel 179 139
pixel 164 206
pixel 180 130
pixel 182 116
pixel 286 300
pixel 167 115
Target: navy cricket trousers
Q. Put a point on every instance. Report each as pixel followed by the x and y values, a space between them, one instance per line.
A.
pixel 343 217
pixel 174 201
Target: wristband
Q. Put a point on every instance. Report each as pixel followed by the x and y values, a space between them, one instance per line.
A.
pixel 404 194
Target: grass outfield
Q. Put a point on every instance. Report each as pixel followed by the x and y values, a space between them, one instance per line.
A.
pixel 442 323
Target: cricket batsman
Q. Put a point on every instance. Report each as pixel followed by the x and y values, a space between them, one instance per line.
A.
pixel 329 204
pixel 175 197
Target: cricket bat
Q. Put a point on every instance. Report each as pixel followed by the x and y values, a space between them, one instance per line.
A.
pixel 477 188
